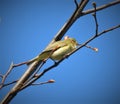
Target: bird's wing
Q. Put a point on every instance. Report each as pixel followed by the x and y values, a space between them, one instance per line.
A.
pixel 55 46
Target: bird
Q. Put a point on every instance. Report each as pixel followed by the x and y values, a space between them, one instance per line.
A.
pixel 57 50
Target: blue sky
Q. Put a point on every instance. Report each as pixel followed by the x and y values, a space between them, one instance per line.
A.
pixel 87 77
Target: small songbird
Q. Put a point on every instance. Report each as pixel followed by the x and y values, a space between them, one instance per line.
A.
pixel 57 50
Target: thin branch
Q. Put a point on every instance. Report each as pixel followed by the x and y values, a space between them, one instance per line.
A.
pixel 75 1
pixel 13 92
pixel 5 76
pixel 41 83
pixel 92 48
pixel 19 64
pixel 95 18
pixel 8 72
pixel 10 83
pixel 105 31
pixel 95 36
pixel 42 73
pixel 100 7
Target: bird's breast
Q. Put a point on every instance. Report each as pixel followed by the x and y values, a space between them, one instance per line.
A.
pixel 61 52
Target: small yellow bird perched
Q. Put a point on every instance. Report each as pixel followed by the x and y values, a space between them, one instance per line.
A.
pixel 57 50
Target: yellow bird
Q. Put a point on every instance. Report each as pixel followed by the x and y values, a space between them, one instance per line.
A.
pixel 57 50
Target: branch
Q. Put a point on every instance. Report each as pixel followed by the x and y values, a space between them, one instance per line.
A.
pixel 95 17
pixel 75 1
pixel 95 36
pixel 100 7
pixel 5 76
pixel 13 92
pixel 41 83
pixel 10 83
pixel 42 73
pixel 110 29
pixel 8 72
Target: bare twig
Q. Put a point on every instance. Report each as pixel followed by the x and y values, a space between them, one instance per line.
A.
pixel 110 29
pixel 75 1
pixel 92 48
pixel 8 72
pixel 95 17
pixel 42 73
pixel 41 83
pixel 5 76
pixel 19 84
pixel 89 40
pixel 101 33
pixel 19 64
pixel 10 83
pixel 100 7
